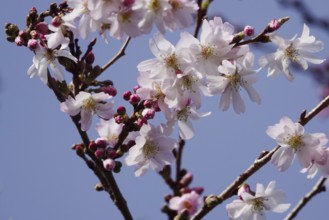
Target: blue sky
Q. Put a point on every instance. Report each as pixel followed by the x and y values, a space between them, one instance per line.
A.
pixel 42 178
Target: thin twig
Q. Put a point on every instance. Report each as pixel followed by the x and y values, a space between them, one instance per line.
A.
pixel 318 188
pixel 117 56
pixel 179 154
pixel 259 163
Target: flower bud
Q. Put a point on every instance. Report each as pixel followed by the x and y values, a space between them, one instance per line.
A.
pixel 33 44
pixel 99 153
pixel 148 113
pixel 126 95
pixel 90 58
pixel 273 26
pixel 148 103
pixel 211 201
pixel 136 88
pixel 248 30
pixel 186 179
pixel 19 41
pixel 134 99
pixel 101 143
pixel 118 119
pixel 199 189
pixel 111 90
pixel 121 110
pixel 42 28
pixel 109 164
pixel 244 188
pixel 92 146
pixel 111 153
pixel 56 21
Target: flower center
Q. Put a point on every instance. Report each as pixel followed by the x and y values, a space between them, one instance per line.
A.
pixel 206 51
pixel 291 52
pixel 183 114
pixel 187 82
pixel 125 16
pixel 174 4
pixel 89 104
pixel 236 80
pixel 50 55
pixel 172 62
pixel 257 204
pixel 187 205
pixel 154 6
pixel 150 149
pixel 295 142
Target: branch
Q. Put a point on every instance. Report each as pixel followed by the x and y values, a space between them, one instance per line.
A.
pixel 179 153
pixel 96 165
pixel 117 56
pixel 318 188
pixel 259 163
pixel 202 12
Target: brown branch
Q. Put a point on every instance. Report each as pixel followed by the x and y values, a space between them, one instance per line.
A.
pixel 117 56
pixel 259 163
pixel 318 188
pixel 106 177
pixel 179 154
pixel 202 12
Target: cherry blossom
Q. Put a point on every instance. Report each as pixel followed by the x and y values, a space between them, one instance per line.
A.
pixel 87 105
pixel 253 206
pixel 299 50
pixel 46 56
pixel 309 148
pixel 152 149
pixel 232 76
pixel 188 201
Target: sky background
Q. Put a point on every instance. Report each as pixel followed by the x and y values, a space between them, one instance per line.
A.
pixel 42 178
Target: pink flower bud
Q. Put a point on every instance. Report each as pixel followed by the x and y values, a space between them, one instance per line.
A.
pixel 101 143
pixel 109 164
pixel 245 188
pixel 148 103
pixel 111 90
pixel 248 30
pixel 186 179
pixel 56 21
pixel 111 153
pixel 134 99
pixel 99 153
pixel 126 95
pixel 118 119
pixel 128 3
pixel 90 58
pixel 156 107
pixel 33 44
pixel 42 28
pixel 148 113
pixel 121 110
pixel 19 41
pixel 273 25
pixel 136 88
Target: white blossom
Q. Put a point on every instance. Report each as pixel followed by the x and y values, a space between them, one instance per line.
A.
pixel 299 50
pixel 253 207
pixel 152 149
pixel 309 148
pixel 87 105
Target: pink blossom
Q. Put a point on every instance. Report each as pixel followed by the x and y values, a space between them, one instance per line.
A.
pixel 189 201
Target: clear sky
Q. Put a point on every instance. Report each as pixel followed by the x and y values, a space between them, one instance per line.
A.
pixel 42 178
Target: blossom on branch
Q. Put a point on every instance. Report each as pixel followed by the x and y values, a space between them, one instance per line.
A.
pixel 252 206
pixel 46 56
pixel 309 148
pixel 87 105
pixel 299 50
pixel 188 201
pixel 232 76
pixel 152 149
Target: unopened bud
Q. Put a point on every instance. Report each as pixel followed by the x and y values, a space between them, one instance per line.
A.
pixel 90 58
pixel 126 95
pixel 136 88
pixel 56 21
pixel 42 27
pixel 186 179
pixel 244 188
pixel 33 44
pixel 134 99
pixel 101 143
pixel 248 30
pixel 109 164
pixel 211 201
pixel 111 90
pixel 99 153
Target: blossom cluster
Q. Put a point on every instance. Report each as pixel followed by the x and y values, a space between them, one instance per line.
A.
pixel 310 149
pixel 173 83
